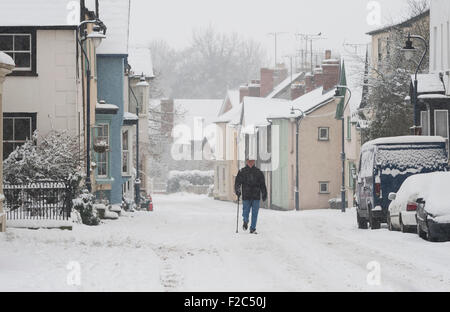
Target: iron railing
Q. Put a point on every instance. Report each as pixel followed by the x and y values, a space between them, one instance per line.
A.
pixel 40 200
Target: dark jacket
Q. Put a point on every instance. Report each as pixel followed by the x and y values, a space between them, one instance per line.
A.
pixel 252 182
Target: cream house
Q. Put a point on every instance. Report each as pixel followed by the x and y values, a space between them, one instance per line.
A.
pixel 6 66
pixel 43 92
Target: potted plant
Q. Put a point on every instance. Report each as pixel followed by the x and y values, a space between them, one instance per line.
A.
pixel 100 146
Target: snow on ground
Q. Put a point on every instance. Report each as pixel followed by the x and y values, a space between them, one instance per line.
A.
pixel 189 244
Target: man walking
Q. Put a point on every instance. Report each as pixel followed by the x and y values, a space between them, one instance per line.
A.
pixel 251 179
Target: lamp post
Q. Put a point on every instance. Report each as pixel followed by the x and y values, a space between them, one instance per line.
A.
pixel 409 51
pixel 297 125
pixel 141 85
pixel 338 95
pixel 96 36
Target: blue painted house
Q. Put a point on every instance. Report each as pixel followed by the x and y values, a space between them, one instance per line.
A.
pixel 113 169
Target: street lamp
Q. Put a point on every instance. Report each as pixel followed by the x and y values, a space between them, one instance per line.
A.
pixel 410 51
pixel 340 96
pixel 297 124
pixel 141 86
pixel 96 37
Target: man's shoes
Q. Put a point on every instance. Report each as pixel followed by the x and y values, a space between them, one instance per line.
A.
pixel 245 226
pixel 253 231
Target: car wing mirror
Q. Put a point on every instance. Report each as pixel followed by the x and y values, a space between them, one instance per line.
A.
pixel 392 196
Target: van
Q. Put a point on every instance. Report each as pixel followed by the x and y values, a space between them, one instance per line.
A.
pixel 385 164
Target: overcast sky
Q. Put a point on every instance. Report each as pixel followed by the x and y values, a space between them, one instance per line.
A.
pixel 339 21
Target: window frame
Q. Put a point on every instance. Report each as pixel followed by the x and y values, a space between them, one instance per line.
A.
pixel 427 113
pixel 327 183
pixel 106 153
pixel 33 124
pixel 435 121
pixel 320 138
pixel 127 152
pixel 31 31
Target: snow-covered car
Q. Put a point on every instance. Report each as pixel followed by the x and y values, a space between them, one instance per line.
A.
pixel 403 207
pixel 429 195
pixel 385 164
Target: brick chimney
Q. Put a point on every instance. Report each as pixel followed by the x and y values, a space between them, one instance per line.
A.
pixel 254 88
pixel 243 92
pixel 328 54
pixel 331 69
pixel 267 83
pixel 297 90
pixel 280 74
pixel 318 77
pixel 309 83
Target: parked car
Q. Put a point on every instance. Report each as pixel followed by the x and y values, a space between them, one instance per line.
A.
pixel 385 164
pixel 403 208
pixel 432 195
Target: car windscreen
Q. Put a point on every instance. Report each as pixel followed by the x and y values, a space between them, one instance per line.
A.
pixel 411 159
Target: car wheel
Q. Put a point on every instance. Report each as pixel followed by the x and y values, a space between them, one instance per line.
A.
pixel 362 223
pixel 390 227
pixel 422 234
pixel 430 236
pixel 374 224
pixel 402 226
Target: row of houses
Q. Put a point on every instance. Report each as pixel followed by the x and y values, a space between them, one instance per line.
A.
pixel 288 124
pixel 294 125
pixel 76 71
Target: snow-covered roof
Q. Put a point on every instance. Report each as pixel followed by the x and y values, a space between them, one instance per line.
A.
pixel 106 106
pixel 311 100
pixel 115 15
pixel 6 59
pixel 130 116
pixel 233 97
pixel 257 110
pixel 191 109
pixel 429 83
pixel 284 84
pixel 140 59
pixel 38 13
pixel 405 140
pixel 233 116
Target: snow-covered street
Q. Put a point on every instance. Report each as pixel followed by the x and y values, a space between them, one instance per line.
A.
pixel 189 244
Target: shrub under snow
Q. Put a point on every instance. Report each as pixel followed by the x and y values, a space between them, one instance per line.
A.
pixel 179 180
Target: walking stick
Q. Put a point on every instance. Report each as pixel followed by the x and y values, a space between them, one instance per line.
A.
pixel 237 217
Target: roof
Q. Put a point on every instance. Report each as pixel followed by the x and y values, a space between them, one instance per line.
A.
pixel 258 110
pixel 285 84
pixel 233 116
pixel 115 15
pixel 403 24
pixel 312 100
pixel 191 109
pixel 405 140
pixel 429 83
pixel 140 59
pixel 38 13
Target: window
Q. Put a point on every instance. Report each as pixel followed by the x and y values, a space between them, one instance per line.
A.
pixel 17 129
pixel 349 128
pixel 324 187
pixel 102 158
pixel 125 153
pixel 435 37
pixel 324 134
pixel 441 123
pixel 425 123
pixel 20 44
pixel 380 50
pixel 351 178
